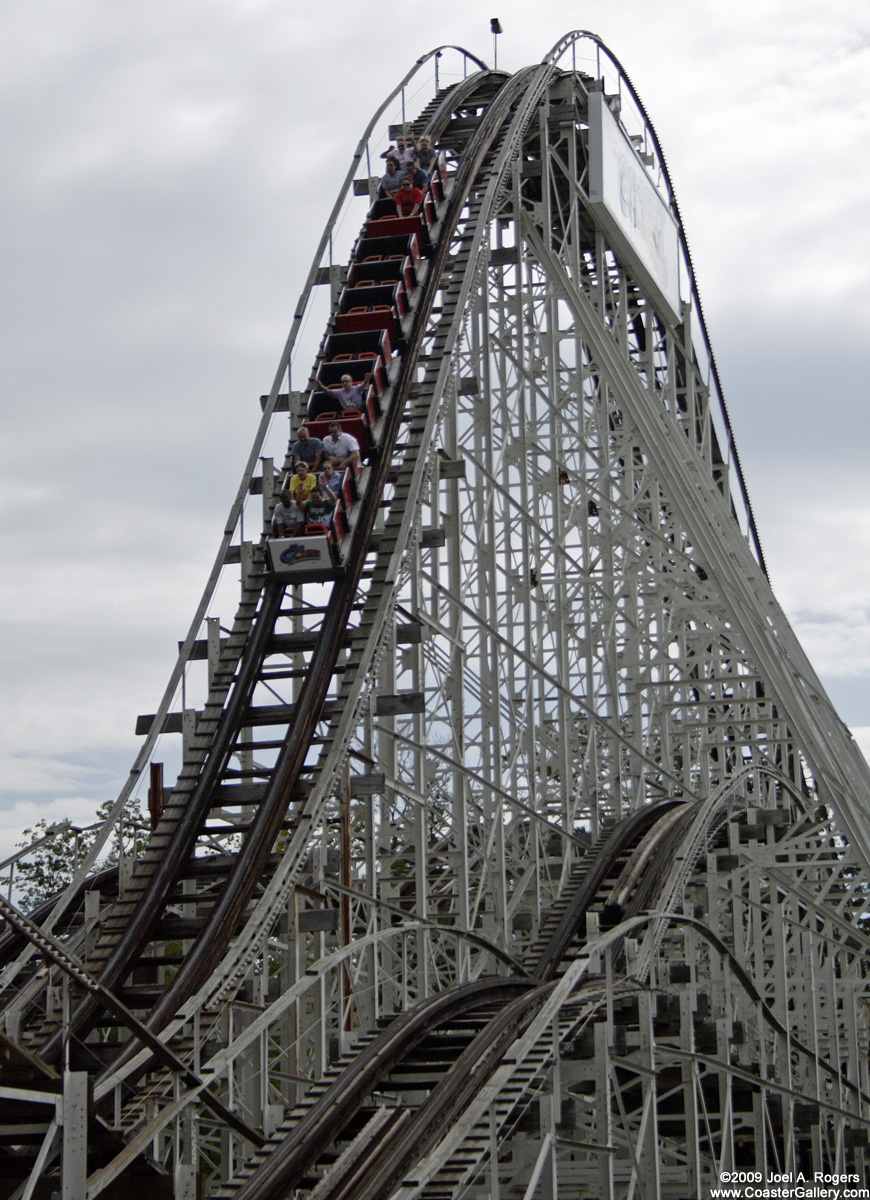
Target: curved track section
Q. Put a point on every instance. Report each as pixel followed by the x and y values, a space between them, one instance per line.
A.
pixel 516 846
pixel 321 1127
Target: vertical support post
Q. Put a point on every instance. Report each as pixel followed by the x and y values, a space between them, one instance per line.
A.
pixel 184 1181
pixel 388 763
pixel 155 795
pixel 648 1141
pixel 246 551
pixel 268 488
pixel 494 1189
pixel 185 1172
pixel 188 731
pixel 452 526
pixel 346 1000
pixel 74 1163
pixel 420 781
pixel 213 646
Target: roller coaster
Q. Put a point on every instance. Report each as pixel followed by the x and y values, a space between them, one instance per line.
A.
pixel 514 848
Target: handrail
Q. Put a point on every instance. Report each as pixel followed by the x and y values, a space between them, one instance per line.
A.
pixel 566 991
pixel 219 987
pixel 401 1148
pixel 526 86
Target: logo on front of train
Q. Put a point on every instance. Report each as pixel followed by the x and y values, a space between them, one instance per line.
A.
pixel 298 552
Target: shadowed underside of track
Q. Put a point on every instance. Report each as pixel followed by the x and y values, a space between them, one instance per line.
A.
pixel 523 852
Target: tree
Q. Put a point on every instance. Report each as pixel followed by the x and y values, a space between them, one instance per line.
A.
pixel 50 868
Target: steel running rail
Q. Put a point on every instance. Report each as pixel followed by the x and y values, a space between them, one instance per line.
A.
pixel 210 953
pixel 460 93
pixel 239 699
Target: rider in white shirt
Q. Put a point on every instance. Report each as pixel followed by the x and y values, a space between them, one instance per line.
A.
pixel 340 448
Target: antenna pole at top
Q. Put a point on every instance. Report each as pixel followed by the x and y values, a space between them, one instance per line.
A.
pixel 495 26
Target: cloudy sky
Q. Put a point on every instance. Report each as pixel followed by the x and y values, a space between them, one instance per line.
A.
pixel 167 171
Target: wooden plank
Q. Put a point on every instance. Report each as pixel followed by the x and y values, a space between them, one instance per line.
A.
pixel 399 703
pixel 298 399
pixel 368 785
pixel 144 723
pixel 430 539
pixel 452 468
pixel 292 643
pixel 318 920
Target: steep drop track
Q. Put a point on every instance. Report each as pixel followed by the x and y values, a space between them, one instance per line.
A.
pixel 174 855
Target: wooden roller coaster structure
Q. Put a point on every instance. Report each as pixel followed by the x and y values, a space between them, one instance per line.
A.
pixel 514 847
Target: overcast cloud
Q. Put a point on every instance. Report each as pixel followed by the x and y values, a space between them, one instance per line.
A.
pixel 168 170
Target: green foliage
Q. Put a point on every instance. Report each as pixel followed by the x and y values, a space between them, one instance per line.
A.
pixel 49 869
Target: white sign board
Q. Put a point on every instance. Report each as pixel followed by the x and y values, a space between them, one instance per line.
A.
pixel 628 204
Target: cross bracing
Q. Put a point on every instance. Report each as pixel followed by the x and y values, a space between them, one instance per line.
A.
pixel 521 854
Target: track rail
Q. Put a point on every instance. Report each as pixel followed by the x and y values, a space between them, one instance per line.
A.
pixel 626 834
pixel 322 1125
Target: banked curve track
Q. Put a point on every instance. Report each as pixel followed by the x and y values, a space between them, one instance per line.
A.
pixel 431 788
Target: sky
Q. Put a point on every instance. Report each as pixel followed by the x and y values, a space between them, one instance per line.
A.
pixel 168 169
